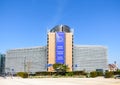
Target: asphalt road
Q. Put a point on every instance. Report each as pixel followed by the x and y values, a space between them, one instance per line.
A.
pixel 59 81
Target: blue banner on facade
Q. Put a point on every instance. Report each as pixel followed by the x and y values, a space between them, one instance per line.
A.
pixel 60 51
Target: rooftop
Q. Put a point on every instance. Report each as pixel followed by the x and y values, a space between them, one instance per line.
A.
pixel 61 28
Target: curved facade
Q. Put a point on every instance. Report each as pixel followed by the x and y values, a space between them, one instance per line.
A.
pixel 61 28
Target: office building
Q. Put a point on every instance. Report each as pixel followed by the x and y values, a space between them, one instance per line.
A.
pixel 60 46
pixel 90 58
pixel 2 63
pixel 60 49
pixel 26 60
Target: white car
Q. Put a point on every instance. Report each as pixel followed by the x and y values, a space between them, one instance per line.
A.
pixel 117 77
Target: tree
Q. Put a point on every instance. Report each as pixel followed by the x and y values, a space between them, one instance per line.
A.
pixel 60 68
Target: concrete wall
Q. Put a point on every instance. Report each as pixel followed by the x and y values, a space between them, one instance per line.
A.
pixel 68 50
pixel 51 50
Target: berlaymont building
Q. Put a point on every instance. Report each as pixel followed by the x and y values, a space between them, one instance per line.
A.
pixel 60 49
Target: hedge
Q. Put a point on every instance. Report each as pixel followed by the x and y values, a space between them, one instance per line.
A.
pixel 22 74
pixel 108 74
pixel 93 74
pixel 60 73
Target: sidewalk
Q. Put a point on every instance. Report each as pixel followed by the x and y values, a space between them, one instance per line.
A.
pixel 59 81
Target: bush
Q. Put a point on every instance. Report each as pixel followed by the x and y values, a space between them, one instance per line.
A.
pixel 41 73
pixel 22 74
pixel 99 73
pixel 117 72
pixel 45 73
pixel 93 74
pixel 69 74
pixel 74 73
pixel 108 74
pixel 79 73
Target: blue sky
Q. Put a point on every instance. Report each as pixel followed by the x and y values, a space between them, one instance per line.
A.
pixel 24 23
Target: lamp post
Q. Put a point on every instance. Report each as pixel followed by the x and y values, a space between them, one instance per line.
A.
pixel 25 64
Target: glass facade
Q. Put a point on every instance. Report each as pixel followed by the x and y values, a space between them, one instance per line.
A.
pixel 26 60
pixel 89 58
pixel 2 63
pixel 85 57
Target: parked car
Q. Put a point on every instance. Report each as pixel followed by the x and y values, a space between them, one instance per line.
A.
pixel 117 77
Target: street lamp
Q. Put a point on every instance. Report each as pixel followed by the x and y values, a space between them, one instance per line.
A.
pixel 25 64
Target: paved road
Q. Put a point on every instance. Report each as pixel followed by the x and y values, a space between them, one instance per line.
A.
pixel 59 81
